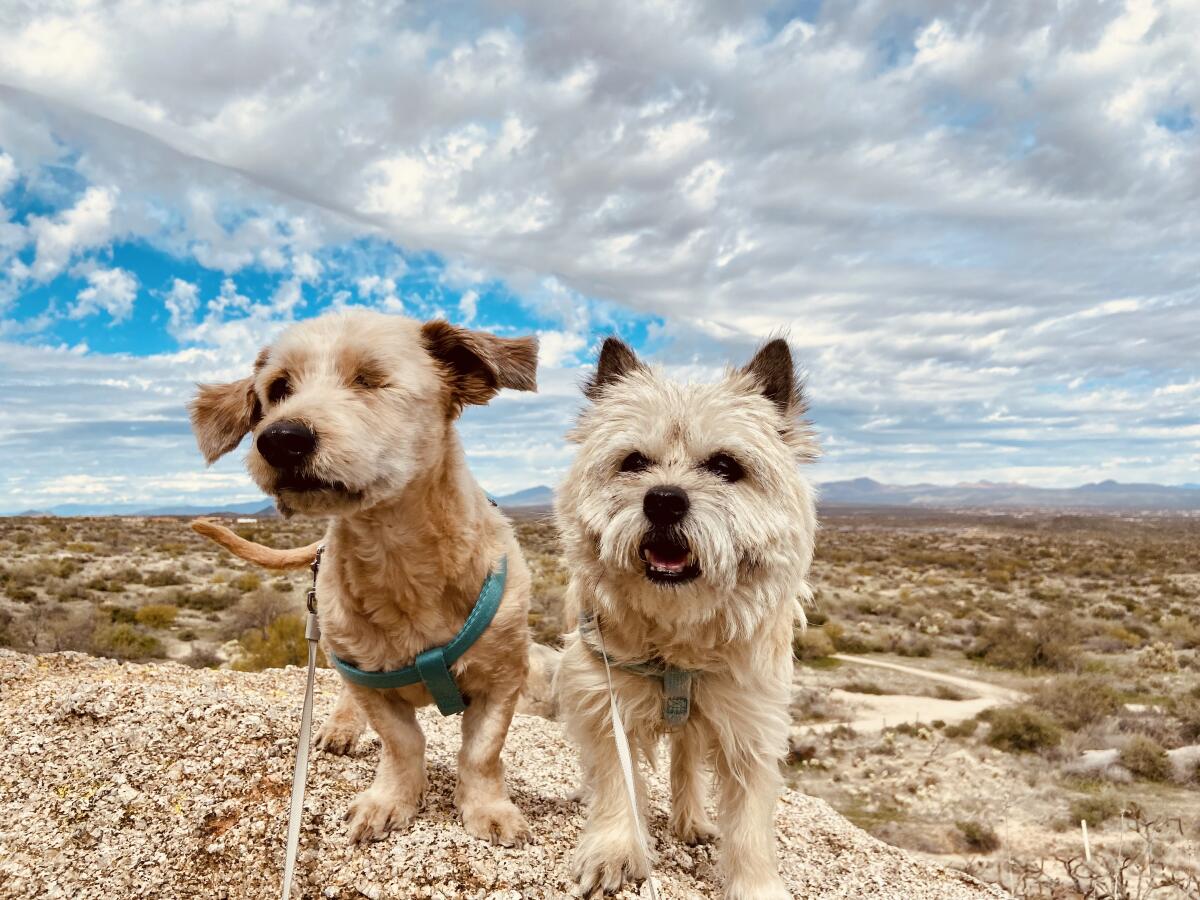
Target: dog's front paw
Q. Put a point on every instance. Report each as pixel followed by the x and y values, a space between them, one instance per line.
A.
pixel 373 813
pixel 603 866
pixel 338 736
pixel 498 823
pixel 693 830
pixel 756 887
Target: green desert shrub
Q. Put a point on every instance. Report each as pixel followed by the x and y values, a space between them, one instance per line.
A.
pixel 205 599
pixel 1095 809
pixel 978 837
pixel 123 641
pixel 1076 701
pixel 202 658
pixel 1022 729
pixel 811 643
pixel 156 615
pixel 962 729
pixel 1046 643
pixel 106 584
pixel 164 578
pixel 281 643
pixel 70 591
pixel 1146 758
pixel 246 582
pixel 119 615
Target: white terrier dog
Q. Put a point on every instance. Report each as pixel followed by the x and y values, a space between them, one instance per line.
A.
pixel 688 530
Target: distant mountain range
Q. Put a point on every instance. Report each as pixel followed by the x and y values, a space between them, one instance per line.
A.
pixel 1103 495
pixel 534 496
pixel 262 507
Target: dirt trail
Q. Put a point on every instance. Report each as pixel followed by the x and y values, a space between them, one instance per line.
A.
pixel 877 712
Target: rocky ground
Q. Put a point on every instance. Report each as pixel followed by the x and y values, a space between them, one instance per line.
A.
pixel 121 780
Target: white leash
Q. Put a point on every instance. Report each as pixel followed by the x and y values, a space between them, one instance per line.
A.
pixel 312 633
pixel 626 758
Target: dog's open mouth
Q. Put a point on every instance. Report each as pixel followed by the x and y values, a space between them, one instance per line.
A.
pixel 668 559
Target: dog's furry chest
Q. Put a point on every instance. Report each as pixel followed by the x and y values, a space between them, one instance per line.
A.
pixel 383 621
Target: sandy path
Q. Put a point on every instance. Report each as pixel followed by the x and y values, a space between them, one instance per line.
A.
pixel 877 712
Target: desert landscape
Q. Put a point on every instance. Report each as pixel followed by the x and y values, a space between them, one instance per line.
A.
pixel 970 688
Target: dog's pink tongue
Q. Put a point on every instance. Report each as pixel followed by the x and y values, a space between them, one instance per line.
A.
pixel 670 563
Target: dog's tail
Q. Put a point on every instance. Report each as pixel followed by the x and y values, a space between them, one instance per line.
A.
pixel 267 557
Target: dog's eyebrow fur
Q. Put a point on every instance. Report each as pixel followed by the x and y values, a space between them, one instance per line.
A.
pixel 355 361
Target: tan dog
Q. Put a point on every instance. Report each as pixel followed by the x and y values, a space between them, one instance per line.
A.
pixel 688 531
pixel 353 419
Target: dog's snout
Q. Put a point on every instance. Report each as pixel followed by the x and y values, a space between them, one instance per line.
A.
pixel 665 505
pixel 286 444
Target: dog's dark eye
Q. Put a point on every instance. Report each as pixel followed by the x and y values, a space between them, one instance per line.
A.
pixel 725 466
pixel 363 381
pixel 635 462
pixel 279 389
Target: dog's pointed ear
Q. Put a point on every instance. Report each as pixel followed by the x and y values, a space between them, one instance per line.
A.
pixel 221 414
pixel 477 364
pixel 616 361
pixel 775 373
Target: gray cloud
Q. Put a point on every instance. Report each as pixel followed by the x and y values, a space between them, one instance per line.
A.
pixel 970 218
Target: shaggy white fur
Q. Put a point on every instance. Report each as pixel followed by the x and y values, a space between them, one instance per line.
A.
pixel 715 591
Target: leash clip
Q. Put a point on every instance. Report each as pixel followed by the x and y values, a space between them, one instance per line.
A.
pixel 311 599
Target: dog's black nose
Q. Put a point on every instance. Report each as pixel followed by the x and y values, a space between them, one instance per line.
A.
pixel 665 505
pixel 286 444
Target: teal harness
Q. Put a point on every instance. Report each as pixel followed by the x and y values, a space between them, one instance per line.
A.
pixel 676 683
pixel 432 667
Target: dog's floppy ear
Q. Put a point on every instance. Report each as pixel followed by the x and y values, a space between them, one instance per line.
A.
pixel 221 414
pixel 478 364
pixel 616 361
pixel 772 368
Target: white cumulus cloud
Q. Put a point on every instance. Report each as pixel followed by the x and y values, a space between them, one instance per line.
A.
pixel 109 290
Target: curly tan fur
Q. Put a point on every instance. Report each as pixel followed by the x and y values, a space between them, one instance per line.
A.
pixel 411 536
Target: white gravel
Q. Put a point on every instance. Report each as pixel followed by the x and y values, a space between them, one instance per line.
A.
pixel 163 781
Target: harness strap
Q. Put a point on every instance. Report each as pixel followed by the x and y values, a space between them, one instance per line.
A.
pixel 676 683
pixel 432 667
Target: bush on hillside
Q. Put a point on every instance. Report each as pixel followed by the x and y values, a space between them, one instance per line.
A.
pixel 1095 809
pixel 156 615
pixel 1022 729
pixel 811 643
pixel 1046 643
pixel 1146 758
pixel 124 641
pixel 1077 701
pixel 280 644
pixel 978 837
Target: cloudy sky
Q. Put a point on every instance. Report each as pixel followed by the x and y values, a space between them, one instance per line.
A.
pixel 978 223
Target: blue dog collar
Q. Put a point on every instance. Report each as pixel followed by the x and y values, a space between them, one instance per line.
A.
pixel 432 667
